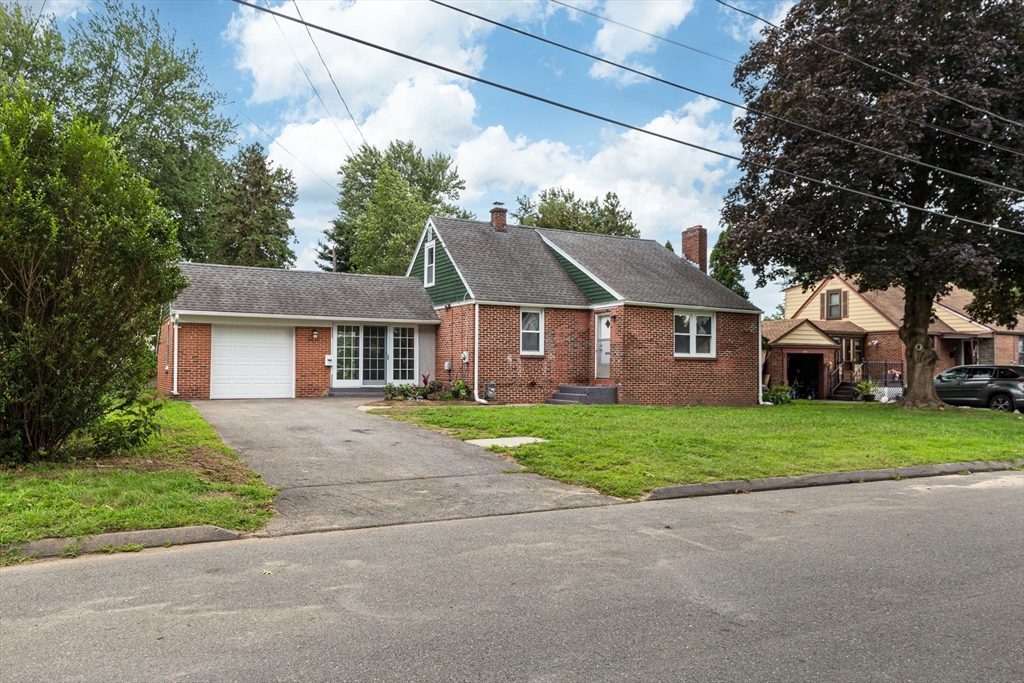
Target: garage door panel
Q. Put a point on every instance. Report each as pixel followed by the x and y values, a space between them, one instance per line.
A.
pixel 252 362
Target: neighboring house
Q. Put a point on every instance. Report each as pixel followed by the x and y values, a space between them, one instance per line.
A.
pixel 516 312
pixel 841 336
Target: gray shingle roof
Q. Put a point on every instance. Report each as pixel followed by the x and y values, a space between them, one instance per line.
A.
pixel 513 266
pixel 645 271
pixel 273 291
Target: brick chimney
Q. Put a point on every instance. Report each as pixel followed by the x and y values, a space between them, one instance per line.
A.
pixel 695 246
pixel 498 217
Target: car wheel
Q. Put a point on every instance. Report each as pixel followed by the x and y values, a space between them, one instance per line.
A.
pixel 1001 402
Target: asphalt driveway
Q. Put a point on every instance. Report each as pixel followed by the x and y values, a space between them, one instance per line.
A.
pixel 340 468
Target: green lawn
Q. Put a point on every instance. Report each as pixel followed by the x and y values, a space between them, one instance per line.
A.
pixel 627 451
pixel 183 477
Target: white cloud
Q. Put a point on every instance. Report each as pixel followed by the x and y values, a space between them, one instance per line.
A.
pixel 667 186
pixel 621 44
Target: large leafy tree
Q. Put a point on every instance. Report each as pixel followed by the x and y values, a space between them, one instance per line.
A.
pixel 389 226
pixel 119 68
pixel 559 208
pixel 434 179
pixel 723 267
pixel 249 221
pixel 87 263
pixel 970 49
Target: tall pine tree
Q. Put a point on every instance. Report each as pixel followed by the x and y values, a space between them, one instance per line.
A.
pixel 249 225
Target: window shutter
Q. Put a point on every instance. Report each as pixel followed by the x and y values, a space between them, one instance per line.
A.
pixel 846 304
pixel 822 316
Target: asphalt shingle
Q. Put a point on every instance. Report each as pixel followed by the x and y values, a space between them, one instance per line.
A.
pixel 274 291
pixel 514 266
pixel 645 271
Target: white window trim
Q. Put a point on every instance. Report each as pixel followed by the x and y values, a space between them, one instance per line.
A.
pixel 693 333
pixel 540 332
pixel 429 249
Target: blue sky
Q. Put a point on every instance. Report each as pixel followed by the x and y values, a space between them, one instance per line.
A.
pixel 504 145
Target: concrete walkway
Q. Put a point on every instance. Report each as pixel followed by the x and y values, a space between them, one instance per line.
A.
pixel 340 468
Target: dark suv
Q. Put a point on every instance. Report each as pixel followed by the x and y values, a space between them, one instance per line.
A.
pixel 1000 387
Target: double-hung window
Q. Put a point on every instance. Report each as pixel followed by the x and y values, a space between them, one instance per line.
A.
pixel 834 305
pixel 694 334
pixel 430 254
pixel 531 331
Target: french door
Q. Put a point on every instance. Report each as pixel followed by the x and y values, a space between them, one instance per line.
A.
pixel 373 355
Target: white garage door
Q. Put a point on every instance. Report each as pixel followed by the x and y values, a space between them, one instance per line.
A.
pixel 252 362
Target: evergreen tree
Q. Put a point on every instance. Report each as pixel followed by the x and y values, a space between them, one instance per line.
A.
pixel 249 225
pixel 668 245
pixel 724 269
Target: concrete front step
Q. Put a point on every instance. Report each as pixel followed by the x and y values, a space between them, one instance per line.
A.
pixel 369 393
pixel 587 395
pixel 561 402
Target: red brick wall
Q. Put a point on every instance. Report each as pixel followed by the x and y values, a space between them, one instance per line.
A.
pixel 944 348
pixel 889 349
pixel 312 377
pixel 775 365
pixel 1006 349
pixel 454 335
pixel 567 357
pixel 193 360
pixel 649 374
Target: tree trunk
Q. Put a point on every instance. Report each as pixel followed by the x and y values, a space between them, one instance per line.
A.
pixel 921 357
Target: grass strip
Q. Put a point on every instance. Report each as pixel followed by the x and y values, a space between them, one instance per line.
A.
pixel 185 476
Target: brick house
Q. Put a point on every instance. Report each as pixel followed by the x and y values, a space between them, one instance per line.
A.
pixel 833 336
pixel 522 315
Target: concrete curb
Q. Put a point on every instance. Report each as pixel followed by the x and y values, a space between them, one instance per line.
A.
pixel 719 488
pixel 149 538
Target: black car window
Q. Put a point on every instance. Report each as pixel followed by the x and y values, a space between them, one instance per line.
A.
pixel 981 373
pixel 953 375
pixel 1006 373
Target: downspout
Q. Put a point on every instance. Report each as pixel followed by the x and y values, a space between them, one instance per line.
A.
pixel 174 380
pixel 476 354
pixel 760 361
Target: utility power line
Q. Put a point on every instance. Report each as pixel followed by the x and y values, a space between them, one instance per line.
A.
pixel 310 81
pixel 873 67
pixel 283 148
pixel 606 119
pixel 841 98
pixel 652 35
pixel 331 76
pixel 673 84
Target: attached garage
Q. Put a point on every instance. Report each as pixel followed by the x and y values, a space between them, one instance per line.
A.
pixel 243 333
pixel 252 362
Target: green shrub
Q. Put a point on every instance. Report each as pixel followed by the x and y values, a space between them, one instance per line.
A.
pixel 88 261
pixel 777 396
pixel 126 429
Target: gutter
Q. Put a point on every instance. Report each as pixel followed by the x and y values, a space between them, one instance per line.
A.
pixel 476 354
pixel 174 381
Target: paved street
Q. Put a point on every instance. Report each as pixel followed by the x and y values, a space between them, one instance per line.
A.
pixel 339 468
pixel 913 580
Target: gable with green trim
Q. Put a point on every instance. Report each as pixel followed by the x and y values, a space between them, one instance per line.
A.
pixel 448 287
pixel 594 291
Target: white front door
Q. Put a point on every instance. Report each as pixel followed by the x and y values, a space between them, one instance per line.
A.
pixel 603 346
pixel 252 362
pixel 374 355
